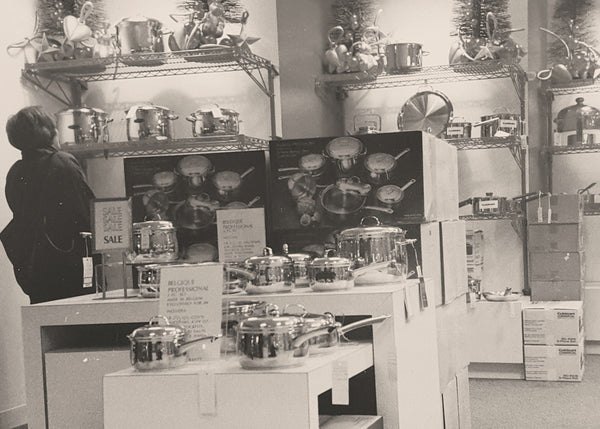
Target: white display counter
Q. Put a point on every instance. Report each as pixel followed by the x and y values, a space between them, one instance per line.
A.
pixel 405 355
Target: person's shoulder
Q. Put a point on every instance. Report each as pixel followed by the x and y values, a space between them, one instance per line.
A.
pixel 65 158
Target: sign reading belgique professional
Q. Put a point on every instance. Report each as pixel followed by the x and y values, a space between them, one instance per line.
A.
pixel 241 233
pixel 111 224
pixel 190 296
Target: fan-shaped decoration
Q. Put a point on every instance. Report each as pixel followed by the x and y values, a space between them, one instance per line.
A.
pixel 52 13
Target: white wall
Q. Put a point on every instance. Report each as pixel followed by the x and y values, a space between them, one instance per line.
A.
pixel 183 94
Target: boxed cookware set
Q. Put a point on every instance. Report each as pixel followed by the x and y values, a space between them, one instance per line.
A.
pixel 553 338
pixel 556 248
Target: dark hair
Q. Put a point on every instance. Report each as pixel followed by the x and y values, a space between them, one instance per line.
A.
pixel 30 128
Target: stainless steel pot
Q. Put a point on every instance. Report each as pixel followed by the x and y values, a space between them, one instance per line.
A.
pixel 457 128
pixel 489 205
pixel 336 273
pixel 232 313
pixel 403 57
pixel 267 273
pixel 301 262
pixel 346 198
pixel 148 280
pixel 228 183
pixel 283 341
pixel 195 169
pixel 345 152
pixel 577 125
pixel 365 245
pixel 146 121
pixel 500 124
pixel 159 345
pixel 381 166
pixel 139 35
pixel 154 241
pixel 214 120
pixel 82 125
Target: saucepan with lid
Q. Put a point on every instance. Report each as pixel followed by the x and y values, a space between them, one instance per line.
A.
pixel 279 341
pixel 345 152
pixel 160 345
pixel 381 166
pixel 146 121
pixel 227 184
pixel 82 125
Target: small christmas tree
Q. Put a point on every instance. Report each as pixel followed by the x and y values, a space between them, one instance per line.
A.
pixel 51 14
pixel 471 14
pixel 233 9
pixel 573 20
pixel 354 16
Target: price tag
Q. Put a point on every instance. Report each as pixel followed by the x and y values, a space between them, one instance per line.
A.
pixel 423 301
pixel 340 394
pixel 88 272
pixel 241 233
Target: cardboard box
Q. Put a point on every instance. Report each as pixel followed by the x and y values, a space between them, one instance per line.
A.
pixel 430 161
pixel 566 290
pixel 555 237
pixel 556 266
pixel 350 422
pixel 554 363
pixel 553 323
pixel 565 208
pixel 591 232
pixel 591 311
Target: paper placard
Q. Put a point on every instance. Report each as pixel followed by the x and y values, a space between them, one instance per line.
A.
pixel 339 384
pixel 111 224
pixel 241 233
pixel 190 296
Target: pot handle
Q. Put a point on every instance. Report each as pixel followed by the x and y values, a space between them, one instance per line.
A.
pixel 184 347
pixel 371 267
pixel 587 188
pixel 361 323
pixel 404 152
pixel 248 171
pixel 332 331
pixel 465 202
pixel 379 209
pixel 410 182
pixel 373 218
pixel 246 273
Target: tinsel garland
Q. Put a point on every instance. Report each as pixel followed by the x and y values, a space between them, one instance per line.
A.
pixel 354 16
pixel 51 14
pixel 471 14
pixel 233 8
pixel 585 16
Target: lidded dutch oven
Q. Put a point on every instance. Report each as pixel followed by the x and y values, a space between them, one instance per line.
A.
pixel 301 262
pixel 267 273
pixel 578 125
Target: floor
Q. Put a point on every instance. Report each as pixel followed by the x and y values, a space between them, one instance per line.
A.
pixel 520 404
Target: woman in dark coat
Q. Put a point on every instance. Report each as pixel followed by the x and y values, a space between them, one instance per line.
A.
pixel 50 199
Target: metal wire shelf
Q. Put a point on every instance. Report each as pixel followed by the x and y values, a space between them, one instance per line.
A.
pixel 578 86
pixel 433 74
pixel 488 217
pixel 485 142
pixel 151 147
pixel 565 150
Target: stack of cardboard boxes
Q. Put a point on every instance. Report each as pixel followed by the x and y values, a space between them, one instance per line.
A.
pixel 553 323
pixel 553 338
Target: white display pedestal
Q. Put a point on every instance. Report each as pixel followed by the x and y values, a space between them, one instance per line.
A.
pixel 404 349
pixel 495 339
pixel 222 395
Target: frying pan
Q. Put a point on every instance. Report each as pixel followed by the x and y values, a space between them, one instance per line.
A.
pixel 196 212
pixel 428 111
pixel 347 197
pixel 391 195
pixel 228 184
pixel 381 165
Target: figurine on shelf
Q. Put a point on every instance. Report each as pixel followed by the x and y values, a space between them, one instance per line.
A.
pixel 213 23
pixel 337 56
pixel 78 42
pixel 105 43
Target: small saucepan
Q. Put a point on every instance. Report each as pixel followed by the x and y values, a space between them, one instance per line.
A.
pixel 160 345
pixel 195 169
pixel 346 198
pixel 345 152
pixel 196 212
pixel 228 184
pixel 277 341
pixel 314 164
pixel 381 166
pixel 241 204
pixel 391 195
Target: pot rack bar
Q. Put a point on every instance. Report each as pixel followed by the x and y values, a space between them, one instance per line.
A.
pixel 65 79
pixel 152 147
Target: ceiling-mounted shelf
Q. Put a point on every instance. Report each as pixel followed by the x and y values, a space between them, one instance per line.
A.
pixel 477 70
pixel 151 147
pixel 205 60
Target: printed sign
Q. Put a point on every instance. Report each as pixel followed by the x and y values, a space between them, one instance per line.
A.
pixel 111 224
pixel 241 233
pixel 190 296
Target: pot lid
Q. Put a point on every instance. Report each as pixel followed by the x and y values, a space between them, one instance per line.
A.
pixel 133 110
pixel 269 324
pixel 227 180
pixel 344 147
pixel 153 225
pixel 164 179
pixel 311 162
pixel 380 162
pixel 389 194
pixel 267 258
pixel 300 258
pixel 82 109
pixel 158 329
pixel 331 262
pixel 192 165
pixel 310 320
pixel 244 308
pixel 572 113
pixel 376 231
pixel 427 111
